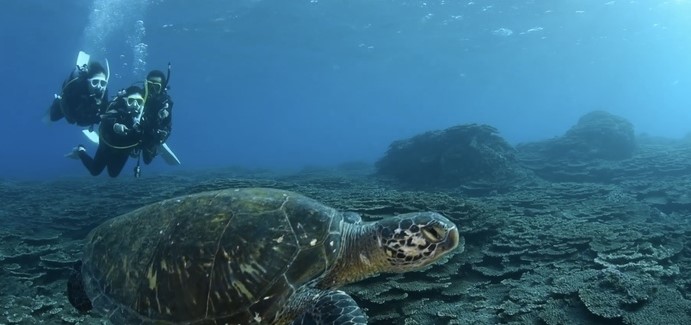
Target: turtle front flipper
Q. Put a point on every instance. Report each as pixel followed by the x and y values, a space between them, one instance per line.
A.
pixel 75 290
pixel 333 307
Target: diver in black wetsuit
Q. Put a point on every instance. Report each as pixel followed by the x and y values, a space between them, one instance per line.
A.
pixel 84 96
pixel 158 114
pixel 119 134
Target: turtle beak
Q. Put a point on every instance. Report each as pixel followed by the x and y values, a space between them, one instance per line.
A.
pixel 453 238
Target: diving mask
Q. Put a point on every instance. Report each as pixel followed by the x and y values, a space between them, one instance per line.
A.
pixel 135 101
pixel 154 86
pixel 98 83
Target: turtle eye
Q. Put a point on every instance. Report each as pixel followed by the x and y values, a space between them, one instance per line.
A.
pixel 431 234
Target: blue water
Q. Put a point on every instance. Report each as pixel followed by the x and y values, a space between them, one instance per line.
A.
pixel 284 84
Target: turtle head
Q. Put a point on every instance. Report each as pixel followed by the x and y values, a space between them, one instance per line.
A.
pixel 402 243
pixel 413 240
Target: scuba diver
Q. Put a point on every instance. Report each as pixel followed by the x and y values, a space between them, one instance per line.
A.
pixel 84 96
pixel 158 114
pixel 120 134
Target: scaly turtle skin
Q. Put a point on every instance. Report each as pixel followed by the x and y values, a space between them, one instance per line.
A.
pixel 246 256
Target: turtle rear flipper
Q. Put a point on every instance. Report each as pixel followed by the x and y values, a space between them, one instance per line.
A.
pixel 75 290
pixel 333 307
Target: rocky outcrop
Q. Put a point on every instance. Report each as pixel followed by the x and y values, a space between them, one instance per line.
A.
pixel 470 156
pixel 598 143
pixel 597 135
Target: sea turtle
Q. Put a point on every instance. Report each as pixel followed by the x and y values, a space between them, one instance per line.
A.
pixel 246 256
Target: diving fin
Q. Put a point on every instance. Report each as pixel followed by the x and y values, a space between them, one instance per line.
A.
pixel 92 135
pixel 168 155
pixel 83 60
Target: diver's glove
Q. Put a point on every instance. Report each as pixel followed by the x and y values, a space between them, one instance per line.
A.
pixel 162 135
pixel 120 129
pixel 162 114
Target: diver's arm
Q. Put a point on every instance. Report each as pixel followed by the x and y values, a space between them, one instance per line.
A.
pixel 76 73
pixel 113 112
pixel 166 123
pixel 73 88
pixel 108 119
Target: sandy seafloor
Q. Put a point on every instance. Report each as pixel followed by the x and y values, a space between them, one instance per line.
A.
pixel 606 250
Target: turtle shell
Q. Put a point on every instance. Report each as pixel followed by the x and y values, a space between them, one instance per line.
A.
pixel 228 257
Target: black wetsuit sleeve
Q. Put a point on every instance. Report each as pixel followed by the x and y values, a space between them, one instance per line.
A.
pixel 108 119
pixel 166 124
pixel 111 112
pixel 74 86
pixel 104 103
pixel 72 91
pixel 158 129
pixel 74 76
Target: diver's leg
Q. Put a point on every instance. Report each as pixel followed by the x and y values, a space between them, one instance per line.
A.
pixel 148 154
pixel 95 165
pixel 117 162
pixel 56 110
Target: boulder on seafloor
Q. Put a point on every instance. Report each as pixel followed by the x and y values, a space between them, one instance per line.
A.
pixel 597 135
pixel 470 155
pixel 593 150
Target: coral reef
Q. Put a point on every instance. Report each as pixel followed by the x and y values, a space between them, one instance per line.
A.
pixel 588 151
pixel 471 156
pixel 597 135
pixel 599 252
